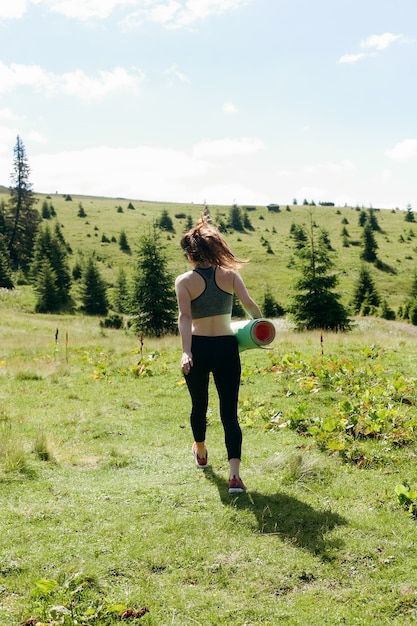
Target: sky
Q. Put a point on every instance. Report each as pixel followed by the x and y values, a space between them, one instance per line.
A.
pixel 213 101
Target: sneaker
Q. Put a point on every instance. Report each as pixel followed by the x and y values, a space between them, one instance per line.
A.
pixel 199 461
pixel 236 485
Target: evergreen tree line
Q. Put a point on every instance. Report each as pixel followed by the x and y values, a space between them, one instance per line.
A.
pixel 38 251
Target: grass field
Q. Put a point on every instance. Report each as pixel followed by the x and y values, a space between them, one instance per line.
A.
pixel 103 514
pixel 102 509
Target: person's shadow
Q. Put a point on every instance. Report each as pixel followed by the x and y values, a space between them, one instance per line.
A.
pixel 285 517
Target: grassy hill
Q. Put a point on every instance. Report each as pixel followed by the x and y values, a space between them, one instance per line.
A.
pixel 107 217
pixel 102 510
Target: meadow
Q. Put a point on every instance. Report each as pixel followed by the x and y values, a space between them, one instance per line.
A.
pixel 104 517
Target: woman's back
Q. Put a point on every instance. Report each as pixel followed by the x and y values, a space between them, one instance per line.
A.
pixel 196 285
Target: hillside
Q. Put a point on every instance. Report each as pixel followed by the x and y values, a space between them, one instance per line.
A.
pixel 107 217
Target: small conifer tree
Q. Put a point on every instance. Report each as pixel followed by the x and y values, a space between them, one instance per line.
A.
pixel 153 302
pixel 315 304
pixel 50 246
pixel 123 242
pixel 6 281
pixel 369 244
pixel 93 290
pixel 365 297
pixel 270 306
pixel 121 293
pixel 46 288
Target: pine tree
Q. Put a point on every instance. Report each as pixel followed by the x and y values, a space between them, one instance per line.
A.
pixel 22 219
pixel 188 223
pixel 247 224
pixel 153 301
pixel 51 247
pixel 121 293
pixel 369 244
pixel 365 296
pixel 165 222
pixel 299 235
pixel 235 219
pixel 93 290
pixel 409 214
pixel 6 281
pixel 45 211
pixel 413 287
pixel 3 211
pixel 46 288
pixel 270 306
pixel 362 218
pixel 373 221
pixel 123 242
pixel 315 304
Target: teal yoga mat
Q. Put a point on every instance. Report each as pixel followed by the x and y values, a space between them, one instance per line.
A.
pixel 253 333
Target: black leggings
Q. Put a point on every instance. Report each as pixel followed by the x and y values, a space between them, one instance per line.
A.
pixel 219 355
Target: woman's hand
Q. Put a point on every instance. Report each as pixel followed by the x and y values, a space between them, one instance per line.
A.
pixel 186 362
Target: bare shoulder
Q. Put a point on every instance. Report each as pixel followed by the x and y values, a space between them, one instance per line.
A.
pixel 227 273
pixel 183 278
pixel 226 279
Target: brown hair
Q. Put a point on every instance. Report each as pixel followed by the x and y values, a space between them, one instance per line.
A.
pixel 205 244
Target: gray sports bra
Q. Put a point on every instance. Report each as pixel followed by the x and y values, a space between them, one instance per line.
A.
pixel 213 300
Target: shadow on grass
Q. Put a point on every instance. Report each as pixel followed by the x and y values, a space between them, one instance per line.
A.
pixel 285 517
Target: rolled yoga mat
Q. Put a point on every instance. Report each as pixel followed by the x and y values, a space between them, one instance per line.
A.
pixel 253 333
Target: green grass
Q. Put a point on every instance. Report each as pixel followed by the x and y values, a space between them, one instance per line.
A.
pixel 102 507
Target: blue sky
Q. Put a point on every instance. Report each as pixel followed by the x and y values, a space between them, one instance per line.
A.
pixel 217 101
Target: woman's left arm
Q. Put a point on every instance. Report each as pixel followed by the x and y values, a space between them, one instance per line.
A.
pixel 184 323
pixel 242 293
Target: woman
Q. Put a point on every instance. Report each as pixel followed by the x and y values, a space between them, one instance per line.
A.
pixel 205 299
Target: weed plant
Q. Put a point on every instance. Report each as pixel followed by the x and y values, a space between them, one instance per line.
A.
pixel 103 512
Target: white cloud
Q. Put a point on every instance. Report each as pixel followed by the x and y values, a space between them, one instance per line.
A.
pixel 76 83
pixel 86 9
pixel 7 138
pixel 383 177
pixel 223 148
pixel 352 58
pixel 403 151
pixel 232 193
pixel 12 9
pixel 229 108
pixel 376 43
pixel 180 13
pixel 35 137
pixel 144 172
pixel 8 115
pixel 116 171
pixel 163 13
pixel 337 167
pixel 87 88
pixel 318 194
pixel 194 10
pixel 327 167
pixel 170 13
pixel 380 42
pixel 174 73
